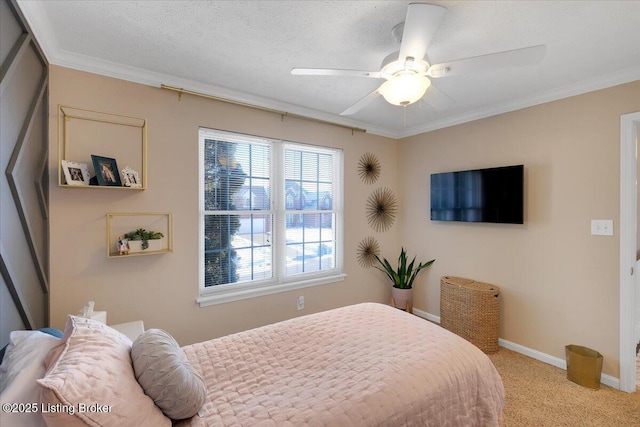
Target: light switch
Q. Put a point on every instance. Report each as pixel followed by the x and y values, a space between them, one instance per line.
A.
pixel 602 227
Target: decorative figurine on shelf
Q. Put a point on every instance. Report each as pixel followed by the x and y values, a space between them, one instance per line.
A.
pixel 123 246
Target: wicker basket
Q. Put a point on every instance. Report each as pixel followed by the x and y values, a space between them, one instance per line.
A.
pixel 472 310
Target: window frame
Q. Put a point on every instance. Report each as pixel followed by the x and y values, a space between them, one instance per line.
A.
pixel 280 281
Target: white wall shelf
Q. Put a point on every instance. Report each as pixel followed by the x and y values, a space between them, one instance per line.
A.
pixel 118 224
pixel 82 133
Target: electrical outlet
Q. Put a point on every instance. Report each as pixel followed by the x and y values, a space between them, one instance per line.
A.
pixel 602 227
pixel 300 302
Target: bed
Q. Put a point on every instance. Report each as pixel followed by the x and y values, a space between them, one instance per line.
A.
pixel 362 365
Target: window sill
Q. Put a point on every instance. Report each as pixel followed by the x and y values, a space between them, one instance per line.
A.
pixel 240 294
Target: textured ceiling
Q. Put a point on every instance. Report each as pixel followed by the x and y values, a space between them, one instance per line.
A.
pixel 244 50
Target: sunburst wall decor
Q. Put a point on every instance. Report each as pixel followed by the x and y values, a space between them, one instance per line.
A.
pixel 369 168
pixel 367 251
pixel 381 209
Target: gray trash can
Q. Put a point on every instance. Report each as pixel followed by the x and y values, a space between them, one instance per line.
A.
pixel 584 366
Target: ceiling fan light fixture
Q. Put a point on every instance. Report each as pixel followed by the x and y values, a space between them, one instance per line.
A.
pixel 404 88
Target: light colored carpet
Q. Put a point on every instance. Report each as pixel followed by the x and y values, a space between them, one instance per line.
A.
pixel 538 394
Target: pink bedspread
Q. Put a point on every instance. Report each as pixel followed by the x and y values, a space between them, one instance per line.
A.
pixel 362 365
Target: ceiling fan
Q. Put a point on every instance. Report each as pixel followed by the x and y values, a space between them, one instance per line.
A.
pixel 407 73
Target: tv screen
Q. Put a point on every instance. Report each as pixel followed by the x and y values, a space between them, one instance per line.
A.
pixel 481 195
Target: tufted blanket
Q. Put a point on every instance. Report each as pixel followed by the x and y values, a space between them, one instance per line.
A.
pixel 362 365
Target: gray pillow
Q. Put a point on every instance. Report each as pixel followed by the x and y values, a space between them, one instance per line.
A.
pixel 166 375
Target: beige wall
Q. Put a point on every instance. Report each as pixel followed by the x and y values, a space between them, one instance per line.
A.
pixel 161 290
pixel 559 284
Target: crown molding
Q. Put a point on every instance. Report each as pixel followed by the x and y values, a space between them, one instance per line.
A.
pixel 40 26
pixel 601 82
pixel 151 78
pixel 43 31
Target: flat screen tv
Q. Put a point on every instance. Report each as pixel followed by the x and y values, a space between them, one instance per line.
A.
pixel 482 195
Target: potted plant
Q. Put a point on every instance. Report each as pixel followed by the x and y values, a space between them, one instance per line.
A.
pixel 402 278
pixel 139 240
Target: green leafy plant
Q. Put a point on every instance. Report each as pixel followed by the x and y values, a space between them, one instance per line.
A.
pixel 405 274
pixel 144 235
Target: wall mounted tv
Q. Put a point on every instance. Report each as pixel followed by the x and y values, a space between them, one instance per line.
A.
pixel 481 195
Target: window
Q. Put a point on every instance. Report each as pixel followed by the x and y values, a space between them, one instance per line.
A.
pixel 270 216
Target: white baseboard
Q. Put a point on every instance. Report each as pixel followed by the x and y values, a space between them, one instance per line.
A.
pixel 534 354
pixel 426 315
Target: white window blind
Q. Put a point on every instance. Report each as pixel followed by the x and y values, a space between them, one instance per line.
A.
pixel 270 215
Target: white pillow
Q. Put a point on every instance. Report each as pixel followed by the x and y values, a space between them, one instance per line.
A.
pixel 22 365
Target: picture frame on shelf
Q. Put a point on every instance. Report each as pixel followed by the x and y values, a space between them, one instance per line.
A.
pixel 131 178
pixel 75 174
pixel 106 171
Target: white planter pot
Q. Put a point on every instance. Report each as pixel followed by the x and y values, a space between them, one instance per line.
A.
pixel 154 245
pixel 401 297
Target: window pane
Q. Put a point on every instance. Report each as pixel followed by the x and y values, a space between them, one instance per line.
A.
pixel 311 227
pixel 254 195
pixel 310 243
pixel 260 164
pixel 218 230
pixel 325 196
pixel 216 269
pixel 293 164
pixel 309 166
pixel 327 256
pixel 220 263
pixel 304 258
pixel 237 248
pixel 253 245
pixel 228 171
pixel 309 195
pixel 325 167
pixel 293 195
pixel 309 257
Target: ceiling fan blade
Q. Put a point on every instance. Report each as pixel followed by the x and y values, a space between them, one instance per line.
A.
pixel 361 103
pixel 438 99
pixel 509 58
pixel 333 72
pixel 419 27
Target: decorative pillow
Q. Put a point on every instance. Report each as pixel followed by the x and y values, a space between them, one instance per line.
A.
pixel 22 365
pixel 166 375
pixel 90 380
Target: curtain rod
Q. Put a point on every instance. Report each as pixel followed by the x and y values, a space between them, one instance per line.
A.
pixel 257 107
